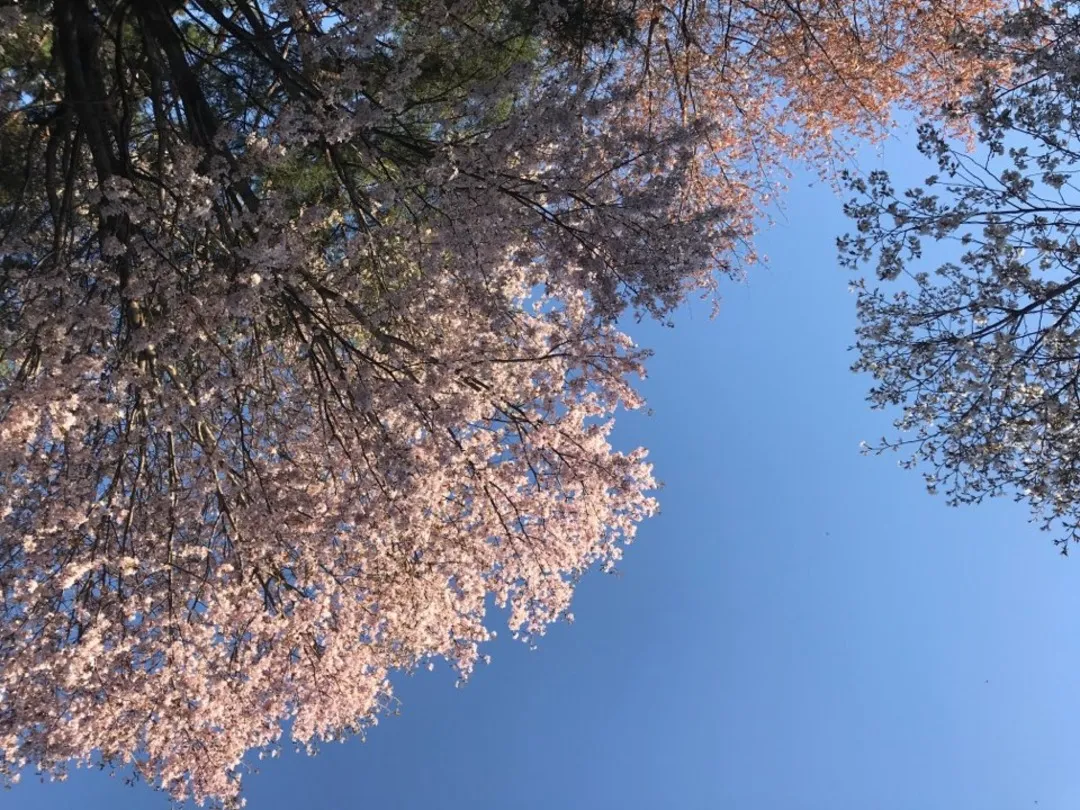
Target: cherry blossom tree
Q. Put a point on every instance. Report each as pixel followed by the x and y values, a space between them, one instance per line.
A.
pixel 308 342
pixel 982 354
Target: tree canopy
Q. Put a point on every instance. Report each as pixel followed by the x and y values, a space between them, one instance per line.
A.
pixel 308 327
pixel 983 353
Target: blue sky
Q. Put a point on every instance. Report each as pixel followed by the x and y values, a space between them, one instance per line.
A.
pixel 802 628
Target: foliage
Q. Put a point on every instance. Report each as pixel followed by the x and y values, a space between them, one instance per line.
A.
pixel 984 353
pixel 307 327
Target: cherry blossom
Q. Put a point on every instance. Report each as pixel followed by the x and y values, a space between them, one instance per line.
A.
pixel 980 354
pixel 308 328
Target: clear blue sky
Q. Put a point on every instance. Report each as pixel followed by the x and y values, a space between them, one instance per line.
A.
pixel 802 628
